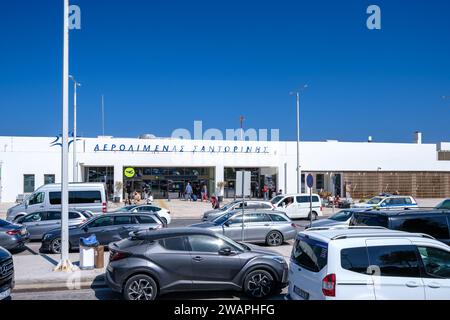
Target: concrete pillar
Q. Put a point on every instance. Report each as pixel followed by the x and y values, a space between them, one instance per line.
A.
pixel 219 177
pixel 118 176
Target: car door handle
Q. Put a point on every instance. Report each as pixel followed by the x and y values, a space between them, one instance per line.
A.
pixel 197 259
pixel 267 225
pixel 434 285
pixel 412 284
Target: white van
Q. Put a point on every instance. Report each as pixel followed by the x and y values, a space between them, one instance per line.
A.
pixel 82 196
pixel 298 205
pixel 368 263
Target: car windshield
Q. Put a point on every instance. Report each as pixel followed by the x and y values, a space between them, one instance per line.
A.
pixel 276 199
pixel 220 220
pixel 375 200
pixel 228 206
pixel 3 223
pixel 445 205
pixel 125 209
pixel 343 215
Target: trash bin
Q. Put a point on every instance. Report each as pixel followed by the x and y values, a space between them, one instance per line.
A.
pixel 99 257
pixel 87 252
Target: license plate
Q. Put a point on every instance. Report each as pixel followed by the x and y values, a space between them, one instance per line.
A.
pixel 5 294
pixel 301 293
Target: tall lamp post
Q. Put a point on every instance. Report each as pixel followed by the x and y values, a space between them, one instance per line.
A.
pixel 65 264
pixel 75 166
pixel 297 94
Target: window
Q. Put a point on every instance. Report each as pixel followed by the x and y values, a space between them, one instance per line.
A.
pixel 445 205
pixel 123 220
pixel 256 218
pixel 28 183
pixel 286 202
pixel 320 178
pixel 436 262
pixel 395 261
pixel 343 215
pixel 101 222
pixel 74 215
pixel 202 243
pixel 145 220
pixel 49 178
pixel 305 199
pixel 37 198
pixel 54 215
pixel 436 227
pixel 310 254
pixel 148 209
pixel 265 206
pixel 408 201
pixel 277 218
pixel 355 260
pixel 371 219
pixel 77 197
pixel 174 244
pixel 35 217
pixel 236 220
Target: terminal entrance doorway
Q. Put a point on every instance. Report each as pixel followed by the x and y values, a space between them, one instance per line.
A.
pixel 167 182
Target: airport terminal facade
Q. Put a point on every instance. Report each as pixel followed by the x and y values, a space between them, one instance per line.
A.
pixel 164 166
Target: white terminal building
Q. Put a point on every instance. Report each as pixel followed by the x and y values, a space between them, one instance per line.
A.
pixel 164 166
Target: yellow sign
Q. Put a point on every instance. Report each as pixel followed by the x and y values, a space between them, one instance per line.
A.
pixel 129 172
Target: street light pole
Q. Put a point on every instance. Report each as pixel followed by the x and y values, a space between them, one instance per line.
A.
pixel 65 264
pixel 297 93
pixel 75 166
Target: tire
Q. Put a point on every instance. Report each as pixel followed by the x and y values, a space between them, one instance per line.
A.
pixel 140 287
pixel 259 284
pixel 274 239
pixel 314 216
pixel 55 246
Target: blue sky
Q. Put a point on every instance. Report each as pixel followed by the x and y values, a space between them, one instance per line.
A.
pixel 163 64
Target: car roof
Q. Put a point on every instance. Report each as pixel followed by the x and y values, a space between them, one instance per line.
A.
pixel 327 234
pixel 172 232
pixel 296 195
pixel 237 211
pixel 415 212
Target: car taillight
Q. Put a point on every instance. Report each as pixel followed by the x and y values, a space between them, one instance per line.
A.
pixel 13 232
pixel 118 255
pixel 329 285
pixel 104 207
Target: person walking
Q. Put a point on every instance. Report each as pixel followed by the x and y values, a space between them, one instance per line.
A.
pixel 204 193
pixel 188 192
pixel 266 192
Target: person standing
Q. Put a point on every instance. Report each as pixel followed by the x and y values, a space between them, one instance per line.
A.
pixel 205 193
pixel 188 192
pixel 266 192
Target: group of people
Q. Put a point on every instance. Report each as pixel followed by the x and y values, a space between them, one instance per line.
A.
pixel 190 195
pixel 136 198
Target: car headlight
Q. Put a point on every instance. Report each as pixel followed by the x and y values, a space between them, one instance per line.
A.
pixel 279 259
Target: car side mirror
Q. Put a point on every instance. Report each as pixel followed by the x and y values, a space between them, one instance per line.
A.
pixel 226 224
pixel 226 252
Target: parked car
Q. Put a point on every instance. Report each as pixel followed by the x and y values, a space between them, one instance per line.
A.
pixel 152 263
pixel 13 236
pixel 6 274
pixel 107 228
pixel 340 218
pixel 297 206
pixel 41 222
pixel 444 205
pixel 389 202
pixel 82 196
pixel 269 227
pixel 235 205
pixel 432 222
pixel 348 263
pixel 164 214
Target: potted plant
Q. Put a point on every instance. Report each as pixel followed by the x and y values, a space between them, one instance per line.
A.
pixel 118 186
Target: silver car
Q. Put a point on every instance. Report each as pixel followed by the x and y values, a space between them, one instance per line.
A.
pixel 340 218
pixel 269 227
pixel 235 205
pixel 39 223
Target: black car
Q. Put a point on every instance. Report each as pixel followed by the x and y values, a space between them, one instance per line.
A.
pixel 6 274
pixel 191 259
pixel 435 223
pixel 107 228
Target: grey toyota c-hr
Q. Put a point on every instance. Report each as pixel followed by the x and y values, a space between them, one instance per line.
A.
pixel 157 262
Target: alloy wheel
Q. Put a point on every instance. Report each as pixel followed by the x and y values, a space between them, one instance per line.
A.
pixel 259 285
pixel 274 239
pixel 141 289
pixel 56 246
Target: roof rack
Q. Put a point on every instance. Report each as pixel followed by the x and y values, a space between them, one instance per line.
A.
pixel 344 227
pixel 374 235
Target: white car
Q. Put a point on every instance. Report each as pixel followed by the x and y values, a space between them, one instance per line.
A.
pixel 367 263
pixel 389 202
pixel 164 214
pixel 297 206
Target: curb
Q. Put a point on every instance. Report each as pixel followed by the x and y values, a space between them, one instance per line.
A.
pixel 58 286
